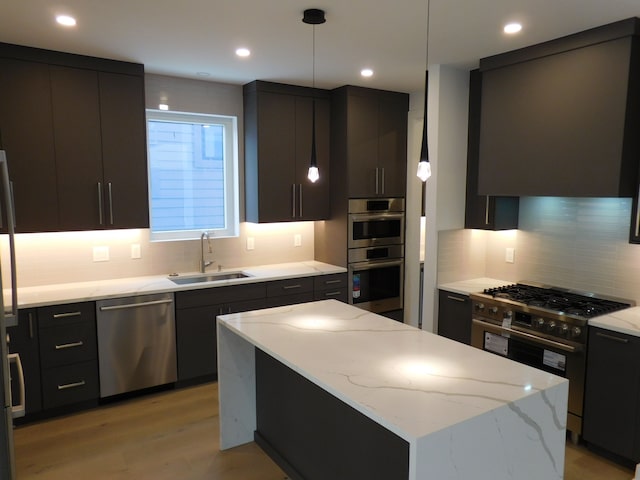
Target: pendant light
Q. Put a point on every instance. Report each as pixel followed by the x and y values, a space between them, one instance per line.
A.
pixel 313 16
pixel 424 167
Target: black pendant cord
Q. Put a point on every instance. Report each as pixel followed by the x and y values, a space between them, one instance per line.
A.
pixel 424 150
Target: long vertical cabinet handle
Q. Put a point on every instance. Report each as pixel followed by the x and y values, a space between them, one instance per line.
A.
pixel 637 232
pixel 8 199
pixel 100 216
pixel 293 200
pixel 486 211
pixel 383 181
pixel 300 200
pixel 110 203
pixel 377 180
pixel 13 204
pixel 31 330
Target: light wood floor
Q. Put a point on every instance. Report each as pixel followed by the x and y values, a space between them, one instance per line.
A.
pixel 174 435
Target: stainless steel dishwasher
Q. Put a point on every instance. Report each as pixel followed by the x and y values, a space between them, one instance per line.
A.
pixel 136 343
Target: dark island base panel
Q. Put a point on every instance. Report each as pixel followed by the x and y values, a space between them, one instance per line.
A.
pixel 313 435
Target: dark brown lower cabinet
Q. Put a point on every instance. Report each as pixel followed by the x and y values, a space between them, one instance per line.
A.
pixel 612 393
pixel 454 316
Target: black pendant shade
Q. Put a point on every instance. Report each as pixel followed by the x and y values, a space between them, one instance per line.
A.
pixel 424 150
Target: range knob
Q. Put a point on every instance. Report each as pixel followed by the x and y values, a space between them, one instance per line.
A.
pixel 550 326
pixel 538 322
pixel 493 310
pixel 576 331
pixel 564 329
pixel 479 307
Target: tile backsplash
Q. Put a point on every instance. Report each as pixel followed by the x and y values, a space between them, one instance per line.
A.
pixel 51 258
pixel 579 243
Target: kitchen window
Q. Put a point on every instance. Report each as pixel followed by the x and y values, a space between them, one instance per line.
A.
pixel 193 175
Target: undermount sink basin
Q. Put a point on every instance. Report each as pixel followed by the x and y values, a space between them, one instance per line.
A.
pixel 208 277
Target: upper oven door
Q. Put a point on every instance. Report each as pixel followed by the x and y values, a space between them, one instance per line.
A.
pixel 370 230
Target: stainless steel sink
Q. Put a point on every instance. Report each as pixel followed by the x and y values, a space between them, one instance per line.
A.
pixel 208 277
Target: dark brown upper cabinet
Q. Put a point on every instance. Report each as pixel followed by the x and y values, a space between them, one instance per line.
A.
pixel 278 122
pixel 369 134
pixel 74 131
pixel 484 212
pixel 561 118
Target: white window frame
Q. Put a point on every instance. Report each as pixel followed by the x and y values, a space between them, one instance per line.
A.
pixel 231 187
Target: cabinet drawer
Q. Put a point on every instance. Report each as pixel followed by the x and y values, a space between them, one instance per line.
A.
pixel 68 344
pixel 70 384
pixel 292 286
pixel 338 293
pixel 220 295
pixel 282 300
pixel 334 281
pixel 57 315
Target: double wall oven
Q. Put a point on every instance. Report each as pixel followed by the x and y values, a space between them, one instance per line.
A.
pixel 376 254
pixel 544 327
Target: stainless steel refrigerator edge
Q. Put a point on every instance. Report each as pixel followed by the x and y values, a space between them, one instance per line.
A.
pixel 7 319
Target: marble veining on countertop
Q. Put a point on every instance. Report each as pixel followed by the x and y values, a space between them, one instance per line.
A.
pixel 100 289
pixel 473 285
pixel 623 321
pixel 399 374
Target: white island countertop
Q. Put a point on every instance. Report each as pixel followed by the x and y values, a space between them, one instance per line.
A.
pixel 466 413
pixel 623 321
pixel 123 287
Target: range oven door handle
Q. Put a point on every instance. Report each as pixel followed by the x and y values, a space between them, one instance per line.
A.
pixel 534 338
pixel 372 264
pixel 18 410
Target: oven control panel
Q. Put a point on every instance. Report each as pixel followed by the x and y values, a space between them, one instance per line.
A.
pixel 535 322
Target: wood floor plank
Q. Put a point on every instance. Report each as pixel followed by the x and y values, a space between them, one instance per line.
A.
pixel 175 435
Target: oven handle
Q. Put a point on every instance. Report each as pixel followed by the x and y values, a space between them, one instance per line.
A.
pixel 375 264
pixel 363 217
pixel 528 336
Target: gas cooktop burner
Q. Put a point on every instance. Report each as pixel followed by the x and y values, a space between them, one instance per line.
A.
pixel 557 300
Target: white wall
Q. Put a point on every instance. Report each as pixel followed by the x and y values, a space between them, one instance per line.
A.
pixel 447 117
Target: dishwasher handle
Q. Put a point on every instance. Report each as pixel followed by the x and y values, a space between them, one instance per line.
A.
pixel 135 305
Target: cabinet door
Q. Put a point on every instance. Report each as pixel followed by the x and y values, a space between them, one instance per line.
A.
pixel 362 146
pixel 313 198
pixel 612 392
pixel 483 211
pixel 276 153
pixel 124 150
pixel 454 316
pixel 26 133
pixel 392 144
pixel 76 127
pixel 23 339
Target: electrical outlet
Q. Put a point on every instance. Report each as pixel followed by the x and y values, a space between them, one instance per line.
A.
pixel 297 240
pixel 135 250
pixel 509 255
pixel 100 254
pixel 251 244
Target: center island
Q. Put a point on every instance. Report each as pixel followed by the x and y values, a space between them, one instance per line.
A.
pixel 331 391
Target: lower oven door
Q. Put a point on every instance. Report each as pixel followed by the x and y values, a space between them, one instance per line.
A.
pixel 555 357
pixel 377 286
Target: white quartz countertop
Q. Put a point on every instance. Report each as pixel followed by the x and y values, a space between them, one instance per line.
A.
pixel 474 285
pixel 410 381
pixel 623 321
pixel 96 290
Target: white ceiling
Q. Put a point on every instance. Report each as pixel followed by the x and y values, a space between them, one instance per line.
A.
pixel 183 37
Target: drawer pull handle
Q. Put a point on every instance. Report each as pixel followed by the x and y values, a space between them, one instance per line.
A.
pixel 332 294
pixel 457 299
pixel 81 383
pixel 289 287
pixel 67 315
pixel 69 345
pixel 329 282
pixel 611 337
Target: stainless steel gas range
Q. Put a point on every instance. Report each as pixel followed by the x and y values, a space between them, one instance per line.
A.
pixel 544 327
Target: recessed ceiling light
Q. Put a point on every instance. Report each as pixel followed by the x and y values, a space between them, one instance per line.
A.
pixel 512 28
pixel 366 72
pixel 66 20
pixel 243 52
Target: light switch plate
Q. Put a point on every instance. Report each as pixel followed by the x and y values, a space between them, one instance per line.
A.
pixel 101 254
pixel 297 240
pixel 135 250
pixel 251 244
pixel 509 255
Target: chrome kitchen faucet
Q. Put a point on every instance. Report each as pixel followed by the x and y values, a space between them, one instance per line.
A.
pixel 204 264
